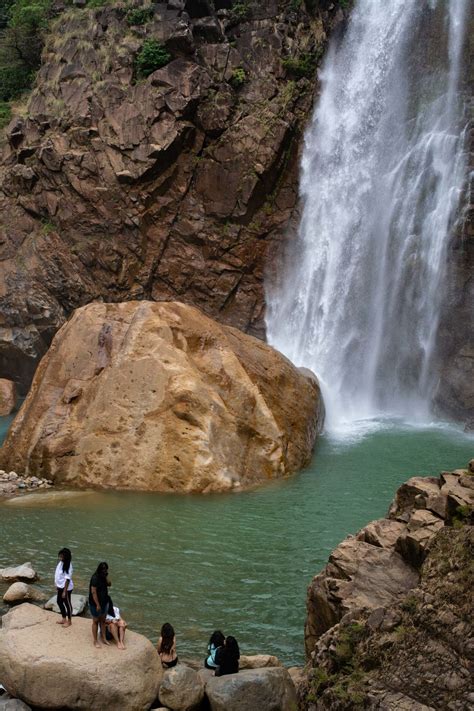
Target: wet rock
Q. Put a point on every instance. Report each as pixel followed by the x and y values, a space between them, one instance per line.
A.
pixel 35 652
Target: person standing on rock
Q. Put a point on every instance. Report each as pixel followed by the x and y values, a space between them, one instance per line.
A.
pixel 99 602
pixel 64 586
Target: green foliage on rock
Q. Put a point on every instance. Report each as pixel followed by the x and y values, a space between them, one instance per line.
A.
pixel 139 15
pixel 152 56
pixel 303 66
pixel 5 114
pixel 238 77
pixel 22 27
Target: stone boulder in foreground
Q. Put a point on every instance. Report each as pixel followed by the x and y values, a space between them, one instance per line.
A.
pixel 158 396
pixel 37 656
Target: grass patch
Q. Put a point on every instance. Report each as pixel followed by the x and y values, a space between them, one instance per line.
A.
pixel 152 56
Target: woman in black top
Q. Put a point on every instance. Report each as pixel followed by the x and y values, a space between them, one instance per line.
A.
pixel 99 601
pixel 227 657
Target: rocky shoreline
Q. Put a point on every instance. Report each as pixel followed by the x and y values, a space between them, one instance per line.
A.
pixel 389 619
pixel 13 484
pixel 389 625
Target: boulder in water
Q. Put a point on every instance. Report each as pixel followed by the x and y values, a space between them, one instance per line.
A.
pixel 20 592
pixel 21 573
pixel 35 653
pixel 78 602
pixel 157 396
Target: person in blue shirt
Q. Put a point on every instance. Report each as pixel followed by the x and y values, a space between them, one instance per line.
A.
pixel 217 640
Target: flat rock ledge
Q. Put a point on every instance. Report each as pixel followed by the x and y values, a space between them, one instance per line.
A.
pixel 35 652
pixel 200 406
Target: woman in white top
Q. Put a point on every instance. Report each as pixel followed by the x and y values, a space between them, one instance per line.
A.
pixel 64 585
pixel 116 625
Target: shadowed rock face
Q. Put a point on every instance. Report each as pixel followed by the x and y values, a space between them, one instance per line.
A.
pixel 178 186
pixel 157 396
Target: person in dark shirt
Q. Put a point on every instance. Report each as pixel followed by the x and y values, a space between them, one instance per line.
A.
pixel 227 657
pixel 99 601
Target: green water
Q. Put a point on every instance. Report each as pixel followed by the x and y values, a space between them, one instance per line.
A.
pixel 238 562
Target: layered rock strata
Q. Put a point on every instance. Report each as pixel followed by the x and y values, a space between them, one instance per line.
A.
pixel 390 618
pixel 173 187
pixel 157 396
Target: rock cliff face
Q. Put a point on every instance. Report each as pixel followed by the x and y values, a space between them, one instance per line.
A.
pixel 389 621
pixel 157 396
pixel 177 186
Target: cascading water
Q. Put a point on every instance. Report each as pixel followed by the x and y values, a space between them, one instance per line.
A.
pixel 383 168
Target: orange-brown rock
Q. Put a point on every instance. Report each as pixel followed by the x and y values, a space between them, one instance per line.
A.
pixel 8 397
pixel 157 396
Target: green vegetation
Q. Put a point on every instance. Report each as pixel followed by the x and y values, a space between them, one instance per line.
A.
pixel 462 516
pixel 22 27
pixel 238 77
pixel 5 114
pixel 139 15
pixel 152 56
pixel 302 66
pixel 409 604
pixel 240 12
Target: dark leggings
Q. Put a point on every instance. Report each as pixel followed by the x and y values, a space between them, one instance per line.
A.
pixel 64 603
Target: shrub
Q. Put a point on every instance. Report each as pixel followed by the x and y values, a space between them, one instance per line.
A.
pixel 14 80
pixel 238 77
pixel 152 56
pixel 240 12
pixel 5 114
pixel 139 15
pixel 302 66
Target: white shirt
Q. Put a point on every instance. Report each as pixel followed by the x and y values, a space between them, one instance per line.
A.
pixel 109 618
pixel 60 576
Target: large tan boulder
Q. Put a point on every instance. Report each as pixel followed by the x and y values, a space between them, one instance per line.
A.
pixel 24 573
pixel 181 688
pixel 8 397
pixel 35 653
pixel 158 396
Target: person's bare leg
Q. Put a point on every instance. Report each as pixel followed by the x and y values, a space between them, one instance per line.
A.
pixel 95 625
pixel 112 627
pixel 121 633
pixel 103 638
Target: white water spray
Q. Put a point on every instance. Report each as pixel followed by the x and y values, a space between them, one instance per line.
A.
pixel 359 297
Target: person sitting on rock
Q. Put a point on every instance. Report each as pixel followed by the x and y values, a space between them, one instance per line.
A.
pixel 99 601
pixel 64 586
pixel 167 647
pixel 227 657
pixel 217 640
pixel 116 626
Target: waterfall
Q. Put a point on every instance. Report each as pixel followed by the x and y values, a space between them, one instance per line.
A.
pixel 359 293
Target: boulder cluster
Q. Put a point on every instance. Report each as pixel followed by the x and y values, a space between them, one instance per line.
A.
pixel 35 652
pixel 12 484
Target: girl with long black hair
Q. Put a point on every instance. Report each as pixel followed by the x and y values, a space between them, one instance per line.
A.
pixel 64 586
pixel 167 647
